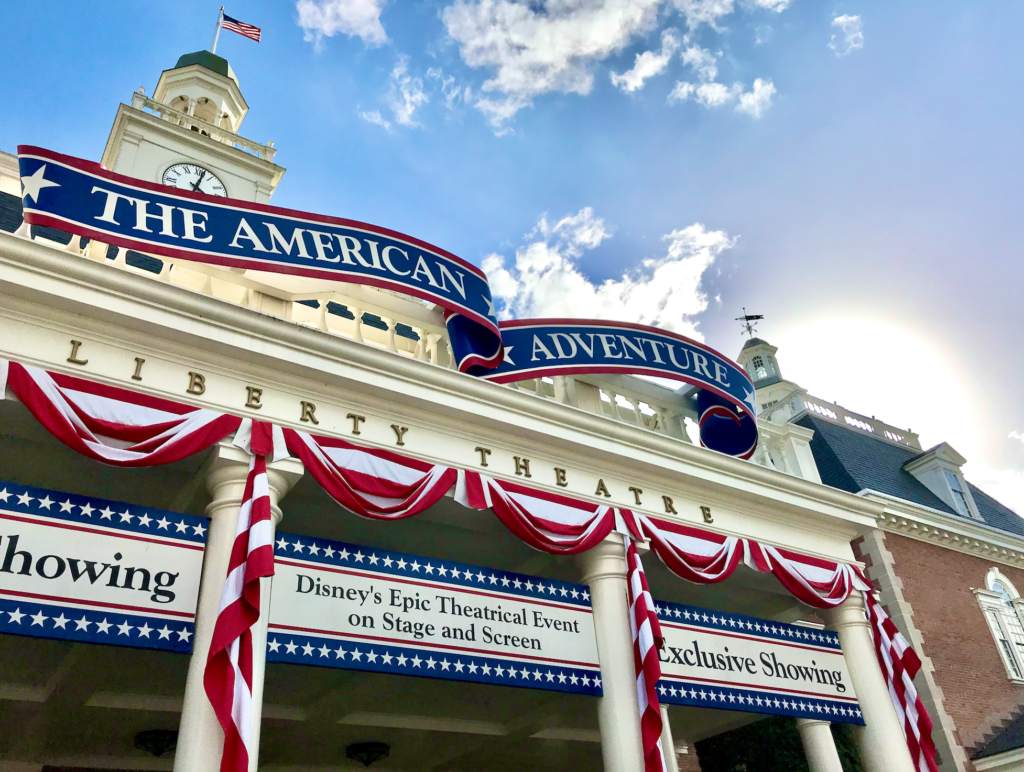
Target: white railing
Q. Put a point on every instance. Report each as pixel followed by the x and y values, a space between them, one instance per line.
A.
pixel 186 121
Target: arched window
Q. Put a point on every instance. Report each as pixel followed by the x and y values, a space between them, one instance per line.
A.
pixel 999 602
pixel 760 371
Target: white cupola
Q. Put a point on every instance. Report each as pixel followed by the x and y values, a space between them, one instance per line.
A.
pixel 758 358
pixel 204 85
pixel 186 134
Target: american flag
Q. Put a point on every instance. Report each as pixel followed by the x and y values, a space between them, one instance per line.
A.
pixel 249 31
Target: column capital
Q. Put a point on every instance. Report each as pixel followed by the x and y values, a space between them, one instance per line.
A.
pixel 605 560
pixel 226 473
pixel 811 722
pixel 852 612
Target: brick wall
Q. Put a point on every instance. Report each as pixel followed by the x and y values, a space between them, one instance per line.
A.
pixel 937 583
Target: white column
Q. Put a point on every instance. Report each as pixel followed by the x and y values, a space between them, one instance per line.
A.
pixel 200 738
pixel 819 745
pixel 618 714
pixel 883 748
pixel 668 745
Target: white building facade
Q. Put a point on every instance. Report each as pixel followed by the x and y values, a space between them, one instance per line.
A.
pixel 91 334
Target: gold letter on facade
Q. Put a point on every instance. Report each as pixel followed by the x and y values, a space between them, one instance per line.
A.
pixel 400 432
pixel 636 494
pixel 137 375
pixel 706 511
pixel 254 397
pixel 602 489
pixel 522 466
pixel 73 359
pixel 669 509
pixel 196 383
pixel 355 421
pixel 484 453
pixel 308 413
pixel 560 480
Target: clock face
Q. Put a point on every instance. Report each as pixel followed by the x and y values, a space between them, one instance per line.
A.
pixel 195 178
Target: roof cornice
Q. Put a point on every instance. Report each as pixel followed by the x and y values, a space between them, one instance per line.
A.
pixel 931 525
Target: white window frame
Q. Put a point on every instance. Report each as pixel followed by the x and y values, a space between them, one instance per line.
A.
pixel 1000 616
pixel 964 498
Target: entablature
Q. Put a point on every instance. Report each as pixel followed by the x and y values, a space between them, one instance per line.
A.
pixel 54 297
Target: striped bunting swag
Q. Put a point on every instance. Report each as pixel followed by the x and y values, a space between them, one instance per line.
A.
pixel 228 676
pixel 899 665
pixel 647 639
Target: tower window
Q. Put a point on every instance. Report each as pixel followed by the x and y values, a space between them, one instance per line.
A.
pixel 760 371
pixel 959 495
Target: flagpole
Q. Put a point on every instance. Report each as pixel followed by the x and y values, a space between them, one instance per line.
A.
pixel 216 34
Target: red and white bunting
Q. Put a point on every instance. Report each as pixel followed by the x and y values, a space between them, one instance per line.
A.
pixel 123 428
pixel 112 425
pixel 899 665
pixel 371 483
pixel 229 665
pixel 647 639
pixel 545 521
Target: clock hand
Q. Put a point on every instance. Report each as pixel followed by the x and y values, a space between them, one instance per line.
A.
pixel 197 183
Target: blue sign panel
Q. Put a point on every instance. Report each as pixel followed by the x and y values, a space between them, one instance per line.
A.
pixel 347 606
pixel 86 569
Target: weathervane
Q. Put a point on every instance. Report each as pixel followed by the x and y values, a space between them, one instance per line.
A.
pixel 749 322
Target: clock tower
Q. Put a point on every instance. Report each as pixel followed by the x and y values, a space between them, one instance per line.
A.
pixel 186 135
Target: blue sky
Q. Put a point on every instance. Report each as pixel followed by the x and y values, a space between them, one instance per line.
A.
pixel 853 170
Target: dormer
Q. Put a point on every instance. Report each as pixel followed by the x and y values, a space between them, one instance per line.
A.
pixel 203 85
pixel 939 470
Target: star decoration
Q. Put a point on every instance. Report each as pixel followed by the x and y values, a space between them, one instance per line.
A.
pixel 290 647
pixel 282 544
pixel 87 510
pixel 274 645
pixel 126 516
pixel 106 513
pixel 33 184
pixel 307 650
pixel 165 633
pixel 490 307
pixel 508 356
pixel 198 530
pixel 65 507
pixel 145 630
pixel 145 520
pixel 16 616
pixel 163 522
pixel 38 619
pixel 45 502
pixel 4 495
pixel 61 621
pixel 184 634
pixel 181 527
pixel 82 624
pixel 24 499
pixel 124 628
pixel 104 626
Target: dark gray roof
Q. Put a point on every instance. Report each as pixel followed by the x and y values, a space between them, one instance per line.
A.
pixel 852 460
pixel 1008 738
pixel 754 342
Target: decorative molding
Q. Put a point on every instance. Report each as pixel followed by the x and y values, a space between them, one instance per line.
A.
pixel 949 531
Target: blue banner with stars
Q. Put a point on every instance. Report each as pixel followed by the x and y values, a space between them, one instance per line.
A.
pixel 82 568
pixel 362 608
pixel 726 661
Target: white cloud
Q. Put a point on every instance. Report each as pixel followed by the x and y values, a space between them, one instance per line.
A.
pixel 546 279
pixel 535 48
pixel 714 94
pixel 758 99
pixel 405 94
pixel 681 91
pixel 648 64
pixel 702 61
pixel 1017 436
pixel 326 18
pixel 452 92
pixel 851 30
pixel 709 12
pixel 374 116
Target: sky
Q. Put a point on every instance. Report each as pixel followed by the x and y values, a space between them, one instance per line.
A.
pixel 852 169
